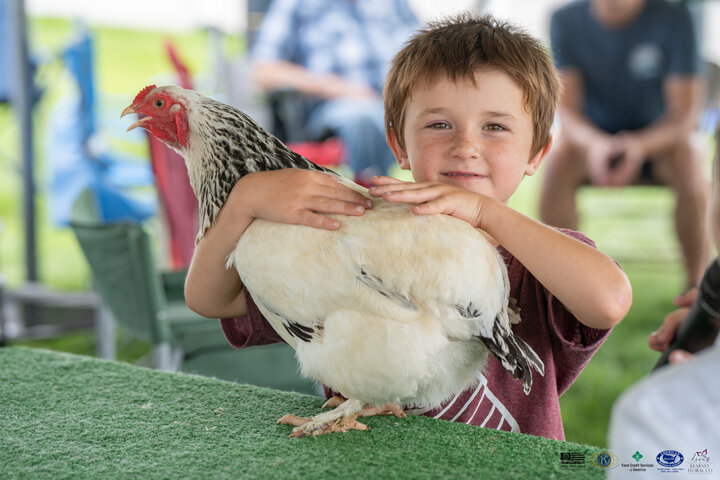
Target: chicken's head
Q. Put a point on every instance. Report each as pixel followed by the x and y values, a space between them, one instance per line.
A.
pixel 165 115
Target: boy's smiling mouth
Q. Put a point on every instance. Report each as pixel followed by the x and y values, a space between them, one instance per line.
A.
pixel 462 174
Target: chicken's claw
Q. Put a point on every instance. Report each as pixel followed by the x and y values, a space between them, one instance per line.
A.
pixel 385 409
pixel 340 425
pixel 334 401
pixel 293 420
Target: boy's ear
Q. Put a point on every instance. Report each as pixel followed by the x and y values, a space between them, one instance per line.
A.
pixel 535 161
pixel 399 152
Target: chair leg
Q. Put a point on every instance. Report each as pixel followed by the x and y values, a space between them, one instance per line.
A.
pixel 177 356
pixel 161 356
pixel 13 320
pixel 105 332
pixel 167 358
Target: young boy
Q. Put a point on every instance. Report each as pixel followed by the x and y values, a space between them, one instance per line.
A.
pixel 469 104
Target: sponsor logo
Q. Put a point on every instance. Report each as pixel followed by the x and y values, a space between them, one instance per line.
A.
pixel 700 463
pixel 669 458
pixel 572 460
pixel 603 460
pixel 637 466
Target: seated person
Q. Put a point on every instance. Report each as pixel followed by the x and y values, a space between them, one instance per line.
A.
pixel 630 104
pixel 336 54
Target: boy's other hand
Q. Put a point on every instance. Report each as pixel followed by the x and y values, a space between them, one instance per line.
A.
pixel 431 198
pixel 297 197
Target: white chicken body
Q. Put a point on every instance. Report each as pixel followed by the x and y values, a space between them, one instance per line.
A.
pixel 392 308
pixel 384 297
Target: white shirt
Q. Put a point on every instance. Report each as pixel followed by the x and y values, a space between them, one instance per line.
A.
pixel 675 409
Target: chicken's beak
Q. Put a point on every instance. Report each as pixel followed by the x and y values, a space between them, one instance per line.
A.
pixel 139 123
pixel 128 109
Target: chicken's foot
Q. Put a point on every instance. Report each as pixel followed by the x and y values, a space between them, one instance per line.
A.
pixel 368 411
pixel 341 419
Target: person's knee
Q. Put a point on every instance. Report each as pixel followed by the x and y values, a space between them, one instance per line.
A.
pixel 565 164
pixel 682 166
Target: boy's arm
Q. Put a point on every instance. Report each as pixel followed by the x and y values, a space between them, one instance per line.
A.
pixel 285 196
pixel 590 285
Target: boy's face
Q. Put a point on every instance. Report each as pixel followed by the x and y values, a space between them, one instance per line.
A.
pixel 474 137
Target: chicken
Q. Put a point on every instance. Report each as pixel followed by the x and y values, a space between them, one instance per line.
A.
pixel 393 310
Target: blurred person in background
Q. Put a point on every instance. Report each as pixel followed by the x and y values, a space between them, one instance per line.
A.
pixel 336 53
pixel 632 92
pixel 678 406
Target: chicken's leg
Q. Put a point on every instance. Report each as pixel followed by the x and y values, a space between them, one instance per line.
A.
pixel 368 411
pixel 341 419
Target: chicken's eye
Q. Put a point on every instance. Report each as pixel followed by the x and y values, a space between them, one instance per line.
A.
pixel 159 103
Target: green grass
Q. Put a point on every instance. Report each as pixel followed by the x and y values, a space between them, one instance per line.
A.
pixel 631 225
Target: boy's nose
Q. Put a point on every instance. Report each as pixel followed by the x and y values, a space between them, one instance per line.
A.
pixel 465 146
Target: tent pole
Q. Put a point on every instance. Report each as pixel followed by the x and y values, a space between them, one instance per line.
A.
pixel 23 107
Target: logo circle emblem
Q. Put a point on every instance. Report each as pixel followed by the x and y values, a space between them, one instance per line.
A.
pixel 603 460
pixel 669 458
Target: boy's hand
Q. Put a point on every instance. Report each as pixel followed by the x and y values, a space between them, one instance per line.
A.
pixel 431 198
pixel 296 196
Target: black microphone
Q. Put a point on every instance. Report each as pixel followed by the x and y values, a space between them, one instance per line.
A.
pixel 702 323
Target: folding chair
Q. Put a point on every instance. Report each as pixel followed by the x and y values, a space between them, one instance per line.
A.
pixel 124 275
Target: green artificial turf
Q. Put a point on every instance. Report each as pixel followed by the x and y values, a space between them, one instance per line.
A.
pixel 69 416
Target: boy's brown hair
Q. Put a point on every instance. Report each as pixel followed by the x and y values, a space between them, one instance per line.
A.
pixel 459 47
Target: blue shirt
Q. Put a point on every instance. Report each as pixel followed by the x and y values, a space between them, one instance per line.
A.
pixel 355 39
pixel 623 69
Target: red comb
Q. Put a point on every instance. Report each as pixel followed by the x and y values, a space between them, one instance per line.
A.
pixel 140 96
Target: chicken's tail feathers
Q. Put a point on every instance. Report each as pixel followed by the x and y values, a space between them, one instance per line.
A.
pixel 514 354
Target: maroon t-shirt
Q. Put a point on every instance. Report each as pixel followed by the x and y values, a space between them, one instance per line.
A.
pixel 497 401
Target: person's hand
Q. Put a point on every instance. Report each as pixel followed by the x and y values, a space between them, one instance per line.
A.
pixel 431 198
pixel 601 151
pixel 296 196
pixel 632 153
pixel 335 86
pixel 660 339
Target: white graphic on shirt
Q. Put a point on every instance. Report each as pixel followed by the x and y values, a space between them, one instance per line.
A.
pixel 483 397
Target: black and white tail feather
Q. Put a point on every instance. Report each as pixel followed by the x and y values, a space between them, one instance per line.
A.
pixel 516 356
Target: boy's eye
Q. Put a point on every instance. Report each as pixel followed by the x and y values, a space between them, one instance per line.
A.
pixel 495 127
pixel 439 125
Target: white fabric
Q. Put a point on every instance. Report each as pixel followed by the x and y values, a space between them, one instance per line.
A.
pixel 676 408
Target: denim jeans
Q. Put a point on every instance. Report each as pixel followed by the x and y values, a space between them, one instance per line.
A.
pixel 360 125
